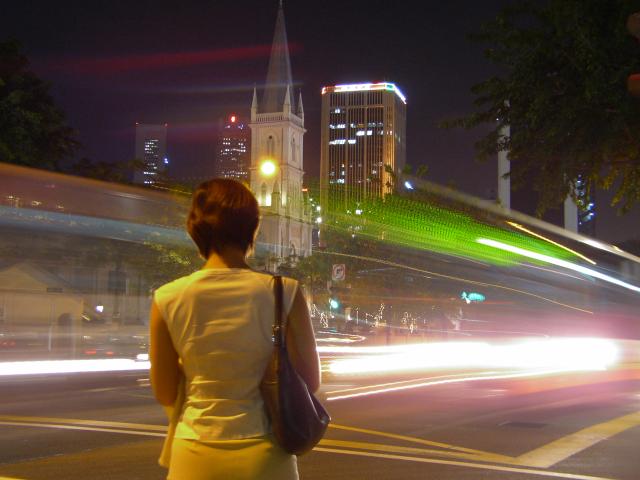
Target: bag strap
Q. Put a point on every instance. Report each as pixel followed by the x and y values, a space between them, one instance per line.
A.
pixel 278 323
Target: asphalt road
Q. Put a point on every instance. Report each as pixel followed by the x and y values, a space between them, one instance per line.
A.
pixel 109 427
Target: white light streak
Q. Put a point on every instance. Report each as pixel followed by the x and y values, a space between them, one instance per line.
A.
pixel 443 382
pixel 566 354
pixel 520 227
pixel 45 367
pixel 557 262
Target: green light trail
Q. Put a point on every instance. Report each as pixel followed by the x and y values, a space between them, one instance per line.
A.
pixel 427 226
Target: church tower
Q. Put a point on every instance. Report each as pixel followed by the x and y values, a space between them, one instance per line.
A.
pixel 276 171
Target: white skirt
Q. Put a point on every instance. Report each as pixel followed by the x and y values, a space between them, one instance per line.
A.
pixel 246 459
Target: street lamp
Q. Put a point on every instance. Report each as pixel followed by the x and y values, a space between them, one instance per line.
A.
pixel 268 168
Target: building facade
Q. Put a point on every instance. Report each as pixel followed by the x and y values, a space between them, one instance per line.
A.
pixel 363 142
pixel 232 150
pixel 151 148
pixel 276 170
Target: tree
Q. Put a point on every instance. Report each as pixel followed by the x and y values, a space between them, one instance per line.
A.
pixel 420 171
pixel 109 172
pixel 33 131
pixel 562 91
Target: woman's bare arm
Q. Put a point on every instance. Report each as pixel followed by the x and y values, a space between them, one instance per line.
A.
pixel 301 343
pixel 165 371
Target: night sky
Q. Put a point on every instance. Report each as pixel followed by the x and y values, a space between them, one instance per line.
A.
pixel 189 64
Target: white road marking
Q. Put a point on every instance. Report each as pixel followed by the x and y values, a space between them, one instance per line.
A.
pixel 543 457
pixel 481 466
pixel 83 422
pixel 567 446
pixel 84 428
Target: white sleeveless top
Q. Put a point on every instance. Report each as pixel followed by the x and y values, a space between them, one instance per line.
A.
pixel 220 323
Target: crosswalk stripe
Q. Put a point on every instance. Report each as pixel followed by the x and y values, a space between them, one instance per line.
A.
pixel 567 446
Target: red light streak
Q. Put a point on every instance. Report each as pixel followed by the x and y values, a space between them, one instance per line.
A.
pixel 158 61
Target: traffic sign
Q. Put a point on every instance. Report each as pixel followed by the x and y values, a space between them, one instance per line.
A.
pixel 338 272
pixel 472 297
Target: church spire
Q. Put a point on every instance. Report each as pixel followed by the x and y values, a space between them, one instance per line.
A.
pixel 279 71
pixel 300 111
pixel 286 106
pixel 254 105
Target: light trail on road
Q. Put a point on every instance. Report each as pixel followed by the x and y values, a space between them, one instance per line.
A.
pixel 568 354
pixel 376 390
pixel 565 354
pixel 45 367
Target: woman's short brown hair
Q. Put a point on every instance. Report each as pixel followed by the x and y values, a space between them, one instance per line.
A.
pixel 223 213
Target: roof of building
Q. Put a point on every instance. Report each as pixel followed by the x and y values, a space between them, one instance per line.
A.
pixel 359 87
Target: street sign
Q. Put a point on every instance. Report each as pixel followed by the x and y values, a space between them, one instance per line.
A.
pixel 338 272
pixel 472 297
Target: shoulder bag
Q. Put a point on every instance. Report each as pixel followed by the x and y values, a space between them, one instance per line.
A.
pixel 298 419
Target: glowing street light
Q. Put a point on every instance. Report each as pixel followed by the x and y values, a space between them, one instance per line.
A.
pixel 268 168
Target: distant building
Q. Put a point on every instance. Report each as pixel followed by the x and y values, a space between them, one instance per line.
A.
pixel 363 141
pixel 577 215
pixel 582 211
pixel 232 150
pixel 151 148
pixel 276 170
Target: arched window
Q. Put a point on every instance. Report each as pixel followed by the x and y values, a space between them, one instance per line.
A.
pixel 263 194
pixel 270 146
pixel 294 160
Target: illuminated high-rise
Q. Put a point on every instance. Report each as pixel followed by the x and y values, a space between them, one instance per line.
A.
pixel 232 151
pixel 363 142
pixel 151 148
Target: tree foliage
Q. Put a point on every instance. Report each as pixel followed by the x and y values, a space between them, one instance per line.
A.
pixel 121 172
pixel 562 91
pixel 33 131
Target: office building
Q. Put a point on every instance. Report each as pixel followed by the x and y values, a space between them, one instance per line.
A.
pixel 151 149
pixel 363 142
pixel 276 170
pixel 232 151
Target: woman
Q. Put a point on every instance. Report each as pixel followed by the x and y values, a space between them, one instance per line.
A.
pixel 215 327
